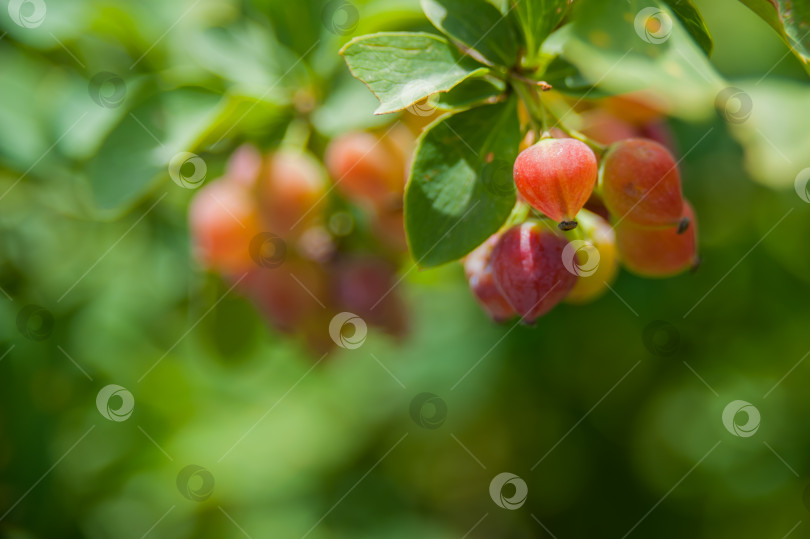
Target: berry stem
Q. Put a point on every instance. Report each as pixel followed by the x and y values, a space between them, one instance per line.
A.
pixel 519 214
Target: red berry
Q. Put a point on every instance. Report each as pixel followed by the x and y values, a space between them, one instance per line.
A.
pixel 557 176
pixel 641 183
pixel 294 185
pixel 289 295
pixel 366 169
pixel 605 128
pixel 224 220
pixel 366 286
pixel 244 166
pixel 478 269
pixel 658 252
pixel 527 264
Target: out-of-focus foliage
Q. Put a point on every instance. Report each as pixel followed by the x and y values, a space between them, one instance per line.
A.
pixel 608 433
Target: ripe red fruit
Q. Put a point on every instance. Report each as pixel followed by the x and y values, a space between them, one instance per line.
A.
pixel 244 166
pixel 287 295
pixel 605 128
pixel 528 267
pixel 641 183
pixel 658 252
pixel 294 184
pixel 223 219
pixel 478 269
pixel 366 286
pixel 557 176
pixel 366 169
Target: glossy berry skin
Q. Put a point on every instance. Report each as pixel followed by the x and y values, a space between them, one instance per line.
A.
pixel 557 176
pixel 223 219
pixel 658 252
pixel 478 269
pixel 528 268
pixel 641 183
pixel 594 281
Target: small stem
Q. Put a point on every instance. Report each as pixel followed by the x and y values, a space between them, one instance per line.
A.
pixel 519 215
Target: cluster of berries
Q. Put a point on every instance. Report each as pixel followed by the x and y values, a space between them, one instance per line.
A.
pixel 305 242
pixel 626 207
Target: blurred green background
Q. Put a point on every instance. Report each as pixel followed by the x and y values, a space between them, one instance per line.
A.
pixel 615 427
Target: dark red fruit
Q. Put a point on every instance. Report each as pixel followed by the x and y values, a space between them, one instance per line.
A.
pixel 557 176
pixel 527 264
pixel 478 269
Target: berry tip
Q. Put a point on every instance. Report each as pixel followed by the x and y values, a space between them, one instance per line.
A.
pixel 567 225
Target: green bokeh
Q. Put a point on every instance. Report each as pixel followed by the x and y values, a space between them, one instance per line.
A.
pixel 606 433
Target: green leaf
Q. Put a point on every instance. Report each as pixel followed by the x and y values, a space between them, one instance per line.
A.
pixel 461 188
pixel 769 120
pixel 791 20
pixel 471 92
pixel 477 25
pixel 689 15
pixel 402 68
pixel 138 150
pixel 537 19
